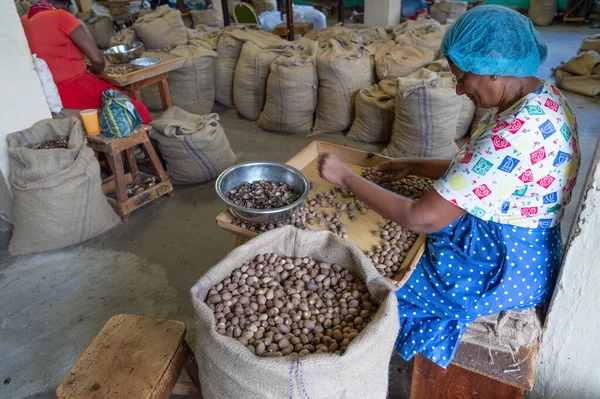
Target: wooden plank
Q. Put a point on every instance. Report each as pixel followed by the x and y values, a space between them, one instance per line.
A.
pixel 359 232
pixel 97 142
pixel 168 63
pixel 127 359
pixel 431 381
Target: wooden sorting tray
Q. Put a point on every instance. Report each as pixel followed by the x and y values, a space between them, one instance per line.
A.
pixel 168 63
pixel 359 232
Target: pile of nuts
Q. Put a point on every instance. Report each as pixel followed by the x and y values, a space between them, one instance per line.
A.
pixel 278 306
pixel 118 69
pixel 410 186
pixel 60 142
pixel 397 241
pixel 263 194
pixel 138 185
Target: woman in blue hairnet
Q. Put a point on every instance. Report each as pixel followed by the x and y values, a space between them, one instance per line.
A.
pixel 493 214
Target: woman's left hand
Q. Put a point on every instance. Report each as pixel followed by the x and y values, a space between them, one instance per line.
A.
pixel 333 170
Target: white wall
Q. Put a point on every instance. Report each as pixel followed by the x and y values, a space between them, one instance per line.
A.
pixel 568 363
pixel 382 13
pixel 22 102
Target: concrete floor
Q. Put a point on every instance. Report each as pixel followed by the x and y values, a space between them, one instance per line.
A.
pixel 53 304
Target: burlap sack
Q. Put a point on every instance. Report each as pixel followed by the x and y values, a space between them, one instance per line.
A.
pixel 584 64
pixel 206 34
pixel 261 6
pixel 342 71
pixel 120 12
pixel 542 12
pixel 370 35
pixel 250 80
pixel 374 113
pixel 125 36
pixel 591 43
pixel 429 37
pixel 465 117
pixel 479 114
pixel 291 91
pixel 194 147
pixel 228 52
pixel 393 61
pixel 58 192
pixel 581 74
pixel 101 29
pixel 505 331
pixel 442 10
pixel 410 25
pixel 211 17
pixel 192 86
pixel 228 370
pixel 425 117
pixel 161 28
pixel 343 35
pixel 439 65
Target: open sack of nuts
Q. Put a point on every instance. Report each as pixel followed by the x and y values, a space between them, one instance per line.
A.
pixel 294 314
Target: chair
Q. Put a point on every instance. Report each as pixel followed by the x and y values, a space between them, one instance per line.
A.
pixel 245 14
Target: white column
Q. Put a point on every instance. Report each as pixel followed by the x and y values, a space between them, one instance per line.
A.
pixel 22 102
pixel 567 366
pixel 382 13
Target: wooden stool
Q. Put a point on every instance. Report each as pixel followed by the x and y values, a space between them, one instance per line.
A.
pixel 134 90
pixel 113 148
pixel 133 357
pixel 472 375
pixel 300 28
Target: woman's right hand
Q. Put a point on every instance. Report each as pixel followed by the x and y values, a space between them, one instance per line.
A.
pixel 396 169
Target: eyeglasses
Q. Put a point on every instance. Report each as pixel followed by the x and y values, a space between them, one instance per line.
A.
pixel 458 79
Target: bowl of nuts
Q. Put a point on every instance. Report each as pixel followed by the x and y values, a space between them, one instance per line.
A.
pixel 259 192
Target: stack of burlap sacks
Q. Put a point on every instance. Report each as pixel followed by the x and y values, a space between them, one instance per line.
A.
pixel 581 74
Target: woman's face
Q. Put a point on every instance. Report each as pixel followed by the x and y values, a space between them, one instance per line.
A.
pixel 481 89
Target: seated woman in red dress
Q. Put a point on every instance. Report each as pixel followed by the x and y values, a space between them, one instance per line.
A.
pixel 58 38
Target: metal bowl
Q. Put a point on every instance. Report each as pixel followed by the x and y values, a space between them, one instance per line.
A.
pixel 145 62
pixel 124 53
pixel 252 171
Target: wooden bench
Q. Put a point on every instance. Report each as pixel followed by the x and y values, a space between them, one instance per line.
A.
pixel 472 375
pixel 133 357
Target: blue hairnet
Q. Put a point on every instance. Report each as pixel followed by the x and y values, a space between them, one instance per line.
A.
pixel 494 40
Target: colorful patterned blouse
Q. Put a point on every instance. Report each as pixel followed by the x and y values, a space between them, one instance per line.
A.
pixel 520 166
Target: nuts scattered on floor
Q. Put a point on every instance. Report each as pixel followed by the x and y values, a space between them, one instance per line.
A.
pixel 60 142
pixel 139 185
pixel 263 194
pixel 279 306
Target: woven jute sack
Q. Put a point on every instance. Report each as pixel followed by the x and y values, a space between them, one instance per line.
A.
pixel 542 12
pixel 374 113
pixel 413 25
pixel 261 6
pixel 429 37
pixel 227 369
pixel 465 117
pixel 101 28
pixel 393 61
pixel 291 91
pixel 161 28
pixel 192 86
pixel 439 65
pixel 250 80
pixel 581 74
pixel 194 147
pixel 342 71
pixel 210 17
pixel 58 192
pixel 425 117
pixel 370 35
pixel 342 35
pixel 125 36
pixel 591 43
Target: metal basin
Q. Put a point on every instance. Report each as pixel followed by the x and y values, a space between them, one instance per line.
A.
pixel 252 171
pixel 124 53
pixel 145 62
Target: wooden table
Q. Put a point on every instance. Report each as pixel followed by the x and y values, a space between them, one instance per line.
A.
pixel 133 82
pixel 359 232
pixel 300 28
pixel 133 357
pixel 113 148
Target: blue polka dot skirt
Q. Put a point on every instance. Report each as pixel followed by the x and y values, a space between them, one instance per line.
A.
pixel 469 269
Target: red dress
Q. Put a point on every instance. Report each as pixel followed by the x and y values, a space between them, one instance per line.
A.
pixel 48 37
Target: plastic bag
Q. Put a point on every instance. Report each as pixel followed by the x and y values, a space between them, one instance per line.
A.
pixel 269 20
pixel 119 117
pixel 48 85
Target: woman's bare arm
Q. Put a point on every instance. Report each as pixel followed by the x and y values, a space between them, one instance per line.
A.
pixel 88 47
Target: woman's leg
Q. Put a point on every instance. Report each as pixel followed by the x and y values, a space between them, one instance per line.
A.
pixel 86 92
